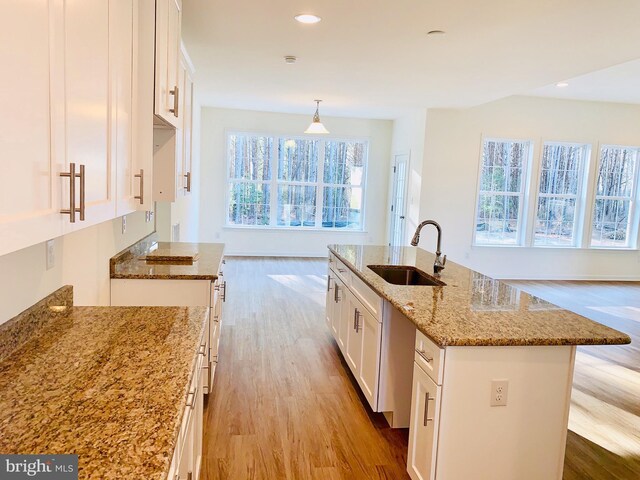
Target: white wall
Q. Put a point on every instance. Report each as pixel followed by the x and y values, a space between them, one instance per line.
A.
pixel 215 122
pixel 81 260
pixel 450 175
pixel 409 138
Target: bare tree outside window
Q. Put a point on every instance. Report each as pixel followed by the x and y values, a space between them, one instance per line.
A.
pixel 561 179
pixel 614 196
pixel 312 183
pixel 501 192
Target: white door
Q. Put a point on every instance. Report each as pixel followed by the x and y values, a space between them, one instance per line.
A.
pixel 167 88
pixel 399 200
pixel 423 427
pixel 29 184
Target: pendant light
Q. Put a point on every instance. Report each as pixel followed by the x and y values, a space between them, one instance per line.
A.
pixel 316 127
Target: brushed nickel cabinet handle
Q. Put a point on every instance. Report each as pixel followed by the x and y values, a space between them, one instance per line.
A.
pixel 336 293
pixel 188 177
pixel 358 314
pixel 176 94
pixel 355 319
pixel 141 177
pixel 192 403
pixel 422 354
pixel 224 291
pixel 341 270
pixel 427 399
pixel 71 174
pixel 190 476
pixel 328 283
pixel 81 176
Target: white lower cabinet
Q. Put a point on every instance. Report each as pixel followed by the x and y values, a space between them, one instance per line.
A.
pixel 423 429
pixel 187 456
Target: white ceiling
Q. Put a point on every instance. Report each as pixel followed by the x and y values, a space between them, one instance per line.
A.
pixel 372 58
pixel 620 83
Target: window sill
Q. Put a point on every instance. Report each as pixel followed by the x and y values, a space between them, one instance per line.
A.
pixel 559 247
pixel 293 229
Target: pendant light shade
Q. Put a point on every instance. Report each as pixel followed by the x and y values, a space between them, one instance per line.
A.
pixel 316 126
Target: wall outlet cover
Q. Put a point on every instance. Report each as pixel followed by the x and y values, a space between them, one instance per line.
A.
pixel 499 393
pixel 124 224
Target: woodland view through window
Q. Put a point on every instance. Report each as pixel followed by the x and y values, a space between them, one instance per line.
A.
pixel 293 182
pixel 559 216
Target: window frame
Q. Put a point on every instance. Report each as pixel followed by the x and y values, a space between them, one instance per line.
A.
pixel 633 233
pixel 580 196
pixel 274 182
pixel 523 210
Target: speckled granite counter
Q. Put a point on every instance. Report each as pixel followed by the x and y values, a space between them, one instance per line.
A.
pixel 131 262
pixel 106 383
pixel 472 309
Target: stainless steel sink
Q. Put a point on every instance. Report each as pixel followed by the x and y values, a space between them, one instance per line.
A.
pixel 405 275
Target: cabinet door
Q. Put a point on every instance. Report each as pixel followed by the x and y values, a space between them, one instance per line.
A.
pixel 330 300
pixel 121 91
pixel 167 95
pixel 187 135
pixel 341 315
pixel 29 184
pixel 87 126
pixel 369 373
pixel 354 335
pixel 423 428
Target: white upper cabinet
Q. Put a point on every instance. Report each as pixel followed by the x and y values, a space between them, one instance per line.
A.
pixel 167 55
pixel 132 71
pixel 29 184
pixel 88 126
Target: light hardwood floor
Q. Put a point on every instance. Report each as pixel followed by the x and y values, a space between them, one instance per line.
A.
pixel 604 419
pixel 285 406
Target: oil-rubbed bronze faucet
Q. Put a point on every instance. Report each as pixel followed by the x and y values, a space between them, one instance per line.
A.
pixel 438 265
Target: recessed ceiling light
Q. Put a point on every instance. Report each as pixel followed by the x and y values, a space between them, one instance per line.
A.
pixel 436 32
pixel 307 18
pixel 562 84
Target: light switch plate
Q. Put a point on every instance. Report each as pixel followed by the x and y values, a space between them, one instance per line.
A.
pixel 51 254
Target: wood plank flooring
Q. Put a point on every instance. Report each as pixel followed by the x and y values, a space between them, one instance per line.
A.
pixel 604 419
pixel 285 406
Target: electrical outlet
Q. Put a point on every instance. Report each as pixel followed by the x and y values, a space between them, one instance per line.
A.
pixel 124 224
pixel 51 254
pixel 499 393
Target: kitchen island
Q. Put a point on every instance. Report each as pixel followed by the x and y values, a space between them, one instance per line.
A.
pixel 480 371
pixel 118 386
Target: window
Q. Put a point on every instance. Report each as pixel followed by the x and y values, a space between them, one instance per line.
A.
pixel 315 183
pixel 614 195
pixel 561 178
pixel 501 193
pixel 249 179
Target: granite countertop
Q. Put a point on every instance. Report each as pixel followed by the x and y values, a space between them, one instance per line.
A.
pixel 472 309
pixel 106 383
pixel 131 263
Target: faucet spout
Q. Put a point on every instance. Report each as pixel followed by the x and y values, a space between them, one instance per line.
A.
pixel 438 265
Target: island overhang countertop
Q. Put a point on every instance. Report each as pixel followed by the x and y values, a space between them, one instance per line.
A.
pixel 106 383
pixel 472 309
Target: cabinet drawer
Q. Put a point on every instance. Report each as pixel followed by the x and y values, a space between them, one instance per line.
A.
pixel 429 357
pixel 343 272
pixel 370 299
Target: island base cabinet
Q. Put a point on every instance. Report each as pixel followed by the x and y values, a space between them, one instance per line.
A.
pixel 423 430
pixel 468 437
